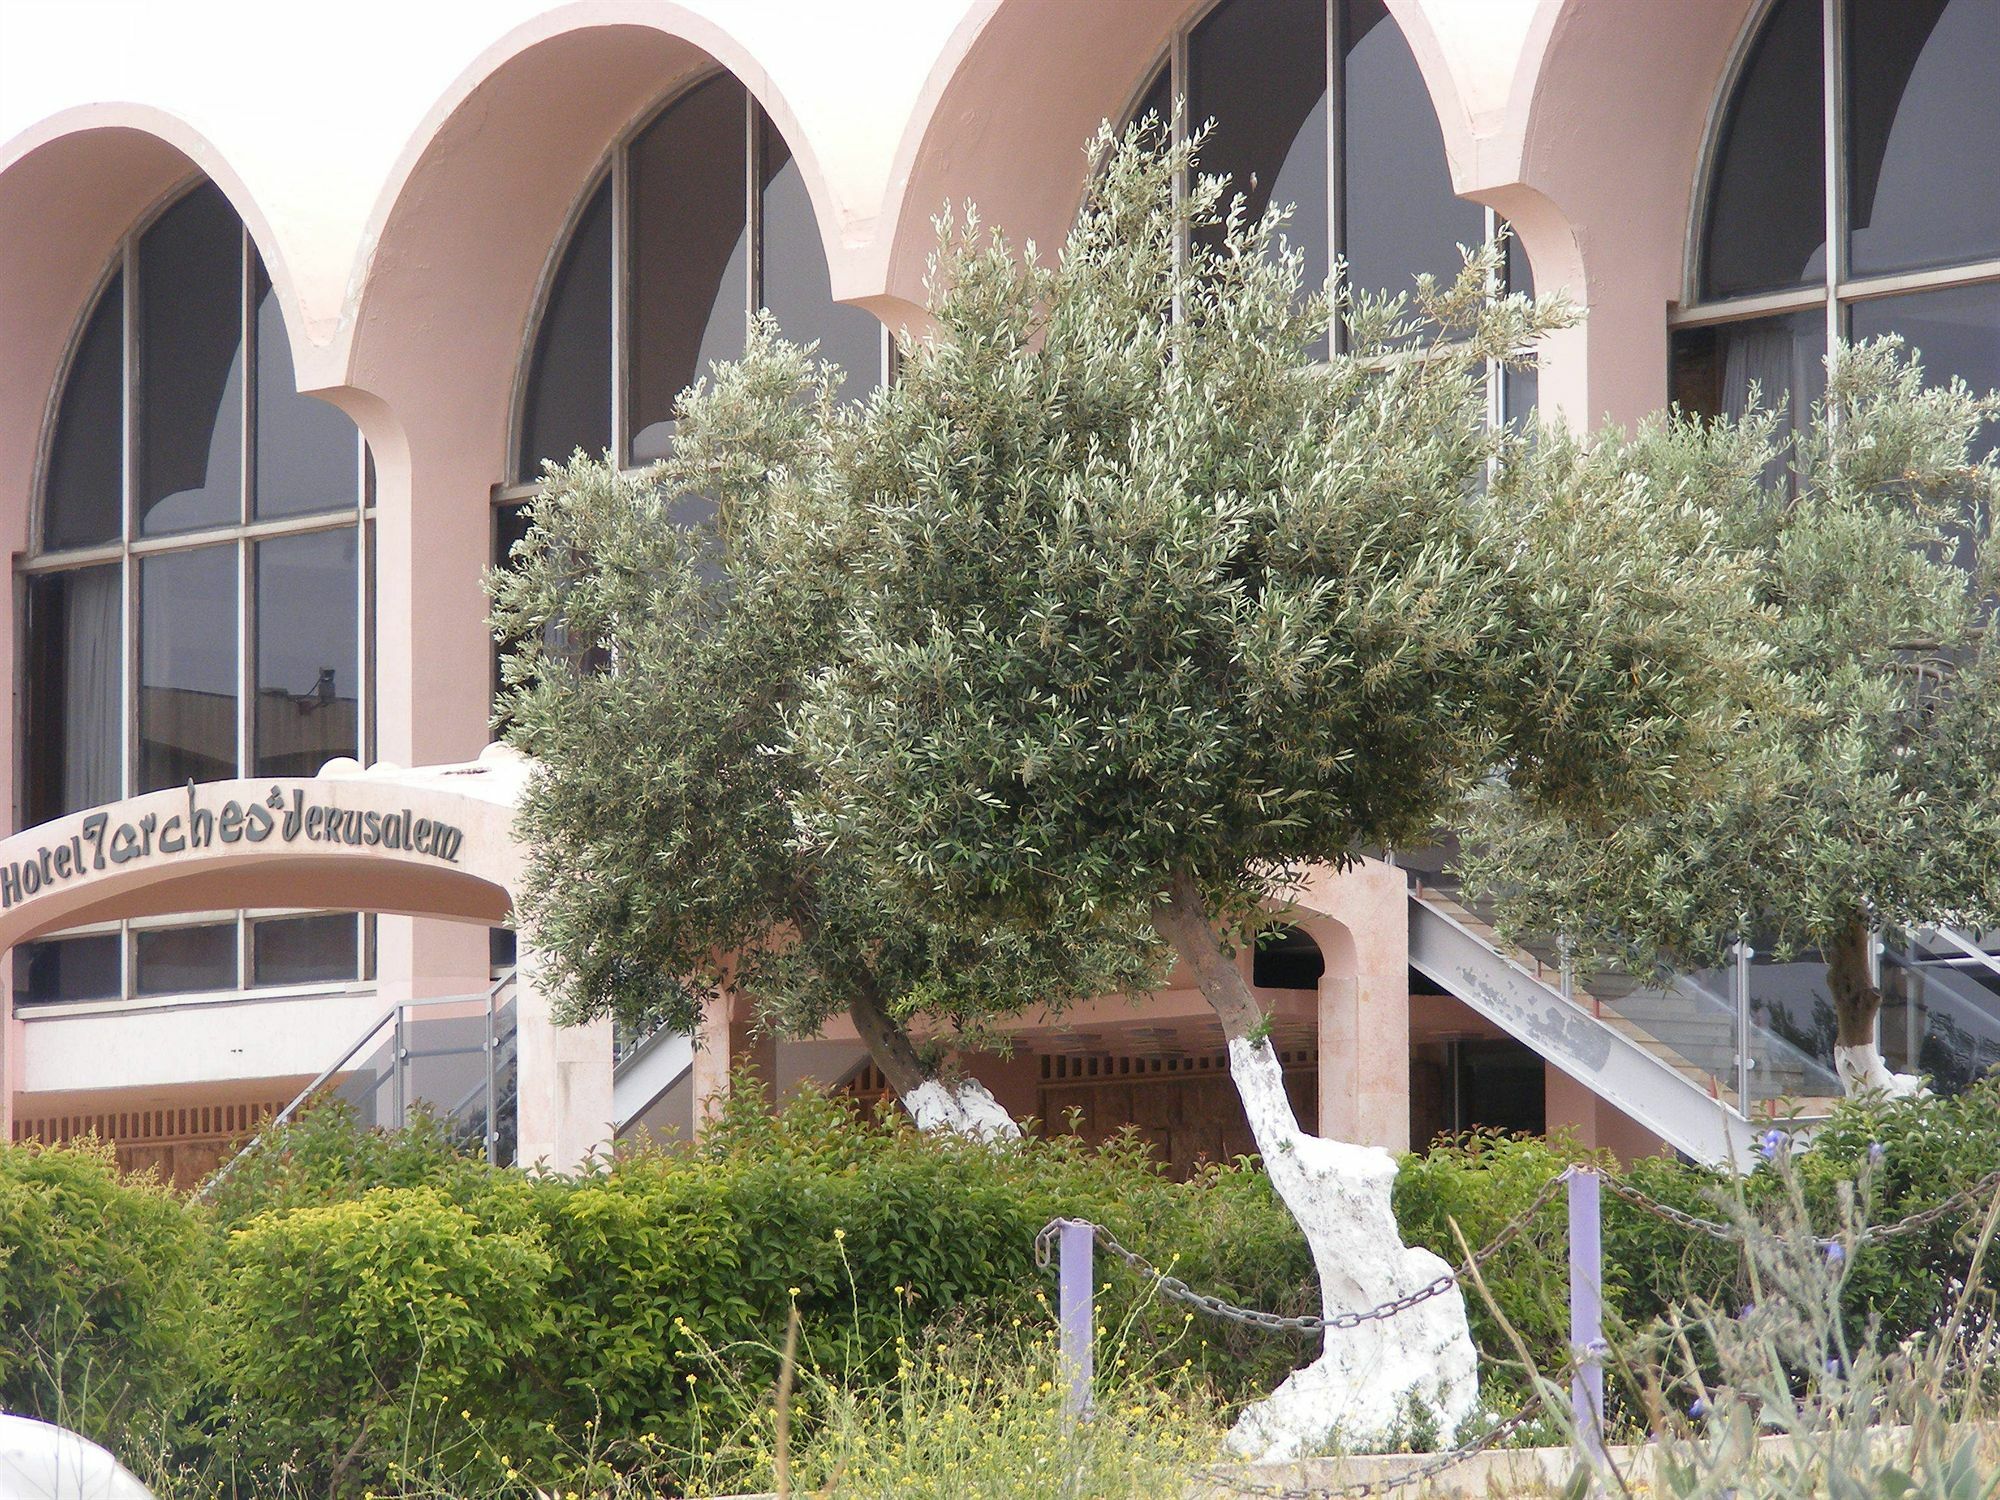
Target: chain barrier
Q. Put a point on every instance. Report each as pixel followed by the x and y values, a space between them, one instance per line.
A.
pixel 1177 1290
pixel 1965 1198
pixel 1363 1488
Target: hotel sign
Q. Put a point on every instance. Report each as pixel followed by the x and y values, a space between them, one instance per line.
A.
pixel 99 843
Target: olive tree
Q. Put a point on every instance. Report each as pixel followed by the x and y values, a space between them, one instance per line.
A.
pixel 1150 612
pixel 660 626
pixel 1863 787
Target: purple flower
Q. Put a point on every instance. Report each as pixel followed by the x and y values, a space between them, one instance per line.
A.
pixel 1748 1308
pixel 1876 1154
pixel 1772 1143
pixel 1836 1253
pixel 1697 1408
pixel 1833 1367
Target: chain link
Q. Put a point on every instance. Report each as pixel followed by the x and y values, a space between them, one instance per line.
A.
pixel 1645 1201
pixel 1964 1198
pixel 1177 1290
pixel 1361 1489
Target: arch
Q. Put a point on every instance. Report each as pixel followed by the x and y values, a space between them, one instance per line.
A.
pixel 471 217
pixel 434 842
pixel 1593 154
pixel 55 243
pixel 448 277
pixel 1022 84
pixel 437 843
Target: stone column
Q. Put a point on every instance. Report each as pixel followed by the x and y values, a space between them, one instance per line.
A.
pixel 1360 919
pixel 711 1061
pixel 564 1078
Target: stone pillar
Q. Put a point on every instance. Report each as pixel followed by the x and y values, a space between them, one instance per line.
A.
pixel 1339 1050
pixel 10 1050
pixel 1360 918
pixel 711 1061
pixel 564 1078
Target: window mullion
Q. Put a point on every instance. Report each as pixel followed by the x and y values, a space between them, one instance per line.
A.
pixel 621 271
pixel 753 207
pixel 1833 56
pixel 128 646
pixel 1336 156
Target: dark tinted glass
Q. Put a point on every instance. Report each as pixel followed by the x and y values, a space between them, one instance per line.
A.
pixel 1158 100
pixel 1923 86
pixel 1766 224
pixel 568 403
pixel 304 950
pixel 1783 358
pixel 1401 213
pixel 187 667
pixel 307 450
pixel 78 968
pixel 173 960
pixel 73 669
pixel 1520 385
pixel 191 366
pixel 690 255
pixel 85 462
pixel 1257 68
pixel 308 665
pixel 1955 331
pixel 797 288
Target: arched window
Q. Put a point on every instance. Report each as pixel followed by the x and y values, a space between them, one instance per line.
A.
pixel 1320 104
pixel 197 593
pixel 700 216
pixel 1907 200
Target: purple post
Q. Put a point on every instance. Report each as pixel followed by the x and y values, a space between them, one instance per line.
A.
pixel 1586 1309
pixel 1074 1247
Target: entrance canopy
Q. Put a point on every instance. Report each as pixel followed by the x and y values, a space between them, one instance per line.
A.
pixel 433 842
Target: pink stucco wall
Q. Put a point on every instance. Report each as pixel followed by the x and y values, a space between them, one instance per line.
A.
pixel 407 170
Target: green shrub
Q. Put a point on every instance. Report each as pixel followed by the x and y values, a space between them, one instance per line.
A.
pixel 100 1304
pixel 1902 1155
pixel 602 1295
pixel 360 1334
pixel 326 1156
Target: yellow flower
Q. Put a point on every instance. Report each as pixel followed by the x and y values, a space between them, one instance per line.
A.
pixel 840 1234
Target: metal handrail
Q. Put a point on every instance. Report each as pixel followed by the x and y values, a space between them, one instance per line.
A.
pixel 1975 954
pixel 391 1017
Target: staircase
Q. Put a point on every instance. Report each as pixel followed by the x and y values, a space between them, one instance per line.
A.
pixel 1677 1053
pixel 1707 1060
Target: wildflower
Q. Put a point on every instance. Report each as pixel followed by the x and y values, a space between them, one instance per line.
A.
pixel 1836 1253
pixel 1772 1143
pixel 1697 1408
pixel 1748 1308
pixel 1877 1153
pixel 840 1234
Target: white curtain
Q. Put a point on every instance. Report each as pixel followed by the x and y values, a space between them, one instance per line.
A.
pixel 1784 362
pixel 93 736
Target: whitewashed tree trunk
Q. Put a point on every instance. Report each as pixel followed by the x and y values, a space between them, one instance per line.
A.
pixel 1862 1071
pixel 963 1107
pixel 968 1109
pixel 1359 1389
pixel 1366 1379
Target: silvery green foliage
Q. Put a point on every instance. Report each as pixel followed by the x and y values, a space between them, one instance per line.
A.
pixel 1141 592
pixel 1863 784
pixel 662 625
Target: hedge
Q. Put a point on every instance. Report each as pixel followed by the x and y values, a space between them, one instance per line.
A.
pixel 350 1302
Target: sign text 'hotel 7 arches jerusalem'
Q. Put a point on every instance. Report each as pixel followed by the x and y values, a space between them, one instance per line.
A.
pixel 99 843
